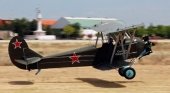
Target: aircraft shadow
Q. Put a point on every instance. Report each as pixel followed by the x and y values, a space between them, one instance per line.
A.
pixel 21 83
pixel 101 83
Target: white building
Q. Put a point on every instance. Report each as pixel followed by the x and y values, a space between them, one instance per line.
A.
pixel 86 24
pixel 40 34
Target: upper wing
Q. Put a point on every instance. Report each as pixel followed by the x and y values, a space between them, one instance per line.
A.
pixel 113 26
pixel 108 27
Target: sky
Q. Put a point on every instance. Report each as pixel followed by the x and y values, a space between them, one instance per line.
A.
pixel 130 11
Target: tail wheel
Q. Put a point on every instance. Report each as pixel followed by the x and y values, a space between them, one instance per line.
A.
pixel 129 73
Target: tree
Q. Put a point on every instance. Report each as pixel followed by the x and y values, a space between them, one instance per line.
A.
pixel 20 26
pixel 168 31
pixel 151 30
pixel 161 31
pixel 5 26
pixel 68 30
pixel 141 31
pixel 49 30
pixel 77 30
pixel 33 25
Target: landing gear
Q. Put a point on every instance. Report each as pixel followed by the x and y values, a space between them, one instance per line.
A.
pixel 128 73
pixel 120 70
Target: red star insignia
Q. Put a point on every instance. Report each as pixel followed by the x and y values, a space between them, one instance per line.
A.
pixel 17 44
pixel 74 58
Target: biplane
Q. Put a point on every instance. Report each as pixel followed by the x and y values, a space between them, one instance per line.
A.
pixel 119 52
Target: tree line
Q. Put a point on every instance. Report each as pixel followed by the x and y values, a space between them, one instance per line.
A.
pixel 159 30
pixel 20 26
pixel 24 26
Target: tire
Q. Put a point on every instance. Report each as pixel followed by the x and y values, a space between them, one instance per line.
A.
pixel 129 73
pixel 120 70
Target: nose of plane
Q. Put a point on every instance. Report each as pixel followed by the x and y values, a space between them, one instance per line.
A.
pixel 148 44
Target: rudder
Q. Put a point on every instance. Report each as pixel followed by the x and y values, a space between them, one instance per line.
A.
pixel 20 54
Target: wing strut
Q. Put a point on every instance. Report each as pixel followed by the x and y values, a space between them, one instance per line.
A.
pixel 25 58
pixel 131 41
pixel 98 35
pixel 122 44
pixel 116 43
pixel 27 63
pixel 120 41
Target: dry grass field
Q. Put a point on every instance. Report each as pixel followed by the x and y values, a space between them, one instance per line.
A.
pixel 149 79
pixel 152 74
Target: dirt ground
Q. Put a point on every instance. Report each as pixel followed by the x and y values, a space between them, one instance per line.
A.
pixel 152 73
pixel 149 79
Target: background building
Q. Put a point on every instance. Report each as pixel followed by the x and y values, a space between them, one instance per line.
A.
pixel 4 34
pixel 86 23
pixel 48 22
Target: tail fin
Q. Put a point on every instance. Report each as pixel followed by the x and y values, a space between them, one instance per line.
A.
pixel 20 54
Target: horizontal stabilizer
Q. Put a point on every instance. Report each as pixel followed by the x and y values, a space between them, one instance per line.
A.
pixel 29 61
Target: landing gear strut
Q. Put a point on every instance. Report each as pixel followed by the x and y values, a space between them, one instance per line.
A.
pixel 128 73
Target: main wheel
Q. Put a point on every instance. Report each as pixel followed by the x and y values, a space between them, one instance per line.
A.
pixel 120 70
pixel 129 73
